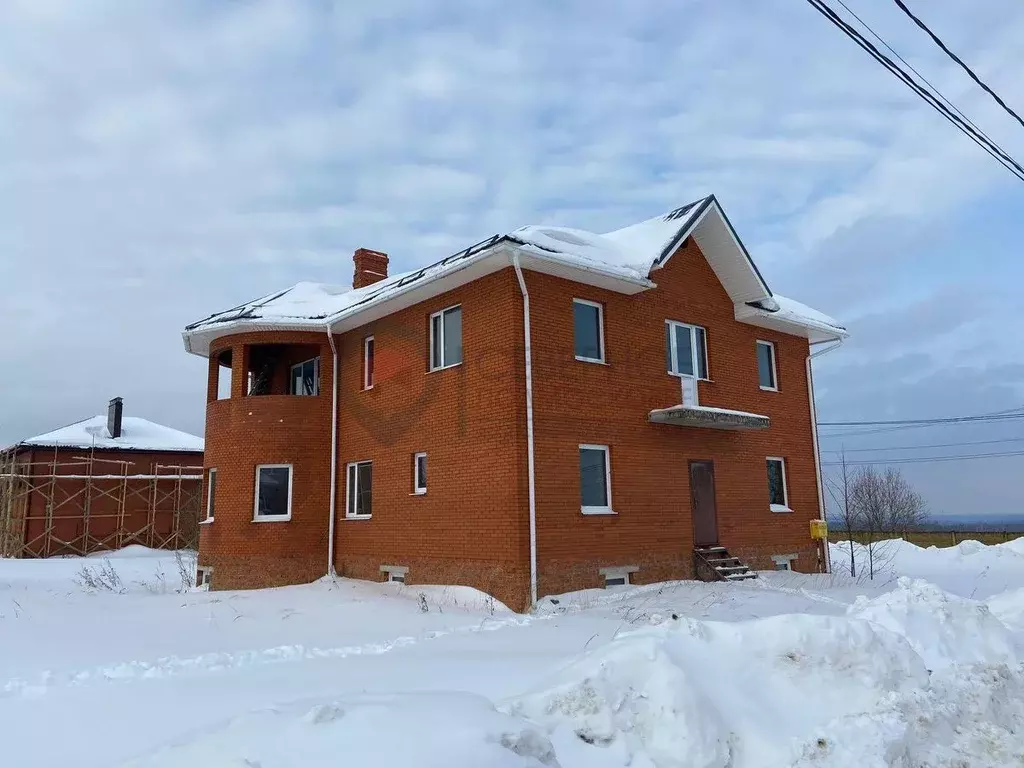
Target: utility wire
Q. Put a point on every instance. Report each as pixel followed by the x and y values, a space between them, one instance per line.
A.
pixel 922 459
pixel 911 67
pixel 918 422
pixel 925 424
pixel 932 445
pixel 958 60
pixel 989 146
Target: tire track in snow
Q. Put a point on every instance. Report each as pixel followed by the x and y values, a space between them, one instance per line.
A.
pixel 217 661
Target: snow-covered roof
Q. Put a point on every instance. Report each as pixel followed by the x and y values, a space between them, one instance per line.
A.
pixel 136 435
pixel 621 260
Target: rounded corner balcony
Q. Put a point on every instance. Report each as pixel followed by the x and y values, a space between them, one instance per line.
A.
pixel 268 392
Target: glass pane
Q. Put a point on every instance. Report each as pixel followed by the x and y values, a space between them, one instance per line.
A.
pixel 364 502
pixel 212 496
pixel 273 496
pixel 453 336
pixel 421 471
pixel 435 341
pixel 684 353
pixel 351 488
pixel 702 352
pixel 369 363
pixel 765 372
pixel 668 349
pixel 587 331
pixel 776 489
pixel 593 488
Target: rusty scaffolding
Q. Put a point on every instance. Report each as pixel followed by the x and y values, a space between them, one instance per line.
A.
pixel 83 504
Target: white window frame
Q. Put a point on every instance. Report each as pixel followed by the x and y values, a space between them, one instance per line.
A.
pixel 607 509
pixel 784 507
pixel 396 574
pixel 440 341
pixel 367 373
pixel 350 497
pixel 211 483
pixel 674 361
pixel 204 574
pixel 786 560
pixel 600 332
pixel 256 516
pixel 316 377
pixel 616 572
pixel 775 371
pixel 418 489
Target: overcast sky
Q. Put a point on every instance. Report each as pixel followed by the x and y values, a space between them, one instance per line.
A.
pixel 163 160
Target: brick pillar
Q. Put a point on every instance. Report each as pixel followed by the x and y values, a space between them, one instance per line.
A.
pixel 212 378
pixel 239 370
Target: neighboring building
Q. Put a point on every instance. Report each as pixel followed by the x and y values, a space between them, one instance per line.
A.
pixel 101 483
pixel 400 429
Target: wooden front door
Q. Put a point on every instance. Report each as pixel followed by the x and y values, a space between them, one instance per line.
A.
pixel 702 492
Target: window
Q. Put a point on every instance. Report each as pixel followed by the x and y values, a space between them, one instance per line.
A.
pixel 273 492
pixel 419 473
pixel 204 575
pixel 211 493
pixel 686 346
pixel 766 366
pixel 360 489
pixel 588 330
pixel 305 378
pixel 783 562
pixel 595 480
pixel 394 574
pixel 368 362
pixel 446 338
pixel 617 576
pixel 778 497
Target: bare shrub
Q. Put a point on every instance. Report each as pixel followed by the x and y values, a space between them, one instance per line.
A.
pixel 100 579
pixel 884 502
pixel 187 562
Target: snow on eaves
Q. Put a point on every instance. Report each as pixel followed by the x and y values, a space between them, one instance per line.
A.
pixel 797 313
pixel 136 435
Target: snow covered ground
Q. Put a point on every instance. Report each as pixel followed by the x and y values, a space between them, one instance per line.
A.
pixel 919 667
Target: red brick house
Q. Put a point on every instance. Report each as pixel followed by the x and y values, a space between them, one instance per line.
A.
pixel 544 411
pixel 101 483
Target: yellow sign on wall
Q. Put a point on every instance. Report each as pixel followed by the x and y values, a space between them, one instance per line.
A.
pixel 819 529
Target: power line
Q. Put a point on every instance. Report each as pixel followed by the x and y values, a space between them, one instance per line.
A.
pixel 922 459
pixel 932 445
pixel 899 428
pixel 958 60
pixel 978 138
pixel 911 67
pixel 921 422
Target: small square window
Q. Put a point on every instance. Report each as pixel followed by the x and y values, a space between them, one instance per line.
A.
pixel 359 495
pixel 446 338
pixel 686 350
pixel 783 562
pixel 617 575
pixel 204 576
pixel 766 373
pixel 588 330
pixel 305 378
pixel 419 470
pixel 368 362
pixel 778 495
pixel 595 480
pixel 211 493
pixel 273 492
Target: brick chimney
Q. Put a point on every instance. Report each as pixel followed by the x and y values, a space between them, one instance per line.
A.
pixel 371 266
pixel 114 409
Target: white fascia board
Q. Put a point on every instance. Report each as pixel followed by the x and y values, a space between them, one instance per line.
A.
pixel 809 329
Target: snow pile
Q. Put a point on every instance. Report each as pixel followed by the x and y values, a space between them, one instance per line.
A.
pixel 692 693
pixel 944 629
pixel 411 731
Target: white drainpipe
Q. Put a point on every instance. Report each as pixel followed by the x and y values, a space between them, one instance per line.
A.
pixel 529 431
pixel 334 452
pixel 814 439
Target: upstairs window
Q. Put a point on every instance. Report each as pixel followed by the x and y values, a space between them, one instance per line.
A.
pixel 360 489
pixel 446 338
pixel 273 492
pixel 778 495
pixel 305 378
pixel 368 362
pixel 766 374
pixel 419 473
pixel 211 493
pixel 686 350
pixel 588 330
